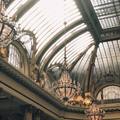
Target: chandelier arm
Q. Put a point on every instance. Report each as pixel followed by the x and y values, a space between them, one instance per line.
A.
pixel 65 58
pixel 1 29
pixel 8 35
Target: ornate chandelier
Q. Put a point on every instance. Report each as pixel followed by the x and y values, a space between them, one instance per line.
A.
pixel 80 100
pixel 94 112
pixel 65 88
pixel 69 92
pixel 7 26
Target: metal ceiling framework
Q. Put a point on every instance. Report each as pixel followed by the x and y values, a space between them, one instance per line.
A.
pixel 56 37
pixel 62 45
pixel 101 18
pixel 107 58
pixel 90 17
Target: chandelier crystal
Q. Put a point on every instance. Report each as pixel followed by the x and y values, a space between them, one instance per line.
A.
pixel 65 88
pixel 7 26
pixel 94 112
pixel 78 99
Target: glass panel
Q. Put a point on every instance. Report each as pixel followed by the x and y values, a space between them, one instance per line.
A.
pixel 46 20
pixel 14 57
pixel 65 36
pixel 108 58
pixel 75 47
pixel 108 12
pixel 110 92
pixel 16 4
pixel 79 70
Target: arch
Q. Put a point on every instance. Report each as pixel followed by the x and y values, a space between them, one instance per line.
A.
pixel 55 38
pixel 62 45
pixel 24 58
pixel 109 92
pixel 106 80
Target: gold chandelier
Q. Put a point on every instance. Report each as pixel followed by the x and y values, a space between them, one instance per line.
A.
pixel 94 112
pixel 69 92
pixel 78 99
pixel 65 88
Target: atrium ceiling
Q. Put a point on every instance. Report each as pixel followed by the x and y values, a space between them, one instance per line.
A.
pixel 90 30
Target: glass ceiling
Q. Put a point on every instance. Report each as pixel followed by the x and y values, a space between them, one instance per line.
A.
pixel 107 62
pixel 62 41
pixel 47 20
pixel 14 6
pixel 108 12
pixel 108 58
pixel 80 43
pixel 80 69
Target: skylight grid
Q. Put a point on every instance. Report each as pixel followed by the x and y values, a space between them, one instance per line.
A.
pixel 30 14
pixel 80 45
pixel 83 63
pixel 51 34
pixel 73 53
pixel 76 46
pixel 15 5
pixel 109 22
pixel 62 39
pixel 48 26
pixel 37 14
pixel 59 58
pixel 47 36
pixel 77 49
pixel 46 20
pixel 81 41
pixel 108 12
pixel 72 31
pixel 108 57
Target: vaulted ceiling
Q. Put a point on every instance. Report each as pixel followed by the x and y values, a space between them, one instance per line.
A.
pixel 90 30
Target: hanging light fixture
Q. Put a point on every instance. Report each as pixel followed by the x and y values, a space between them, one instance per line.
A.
pixel 7 26
pixel 94 112
pixel 78 99
pixel 65 88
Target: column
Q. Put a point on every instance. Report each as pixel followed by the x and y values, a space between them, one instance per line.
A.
pixel 28 113
pixel 37 115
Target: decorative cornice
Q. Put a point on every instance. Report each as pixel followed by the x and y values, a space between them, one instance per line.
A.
pixel 29 84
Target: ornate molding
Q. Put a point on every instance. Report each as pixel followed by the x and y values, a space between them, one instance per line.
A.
pixel 64 112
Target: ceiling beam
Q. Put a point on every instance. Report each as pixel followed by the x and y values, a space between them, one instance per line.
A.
pixel 110 34
pixel 90 17
pixel 57 49
pixel 8 3
pixel 80 56
pixel 89 81
pixel 24 8
pixel 55 38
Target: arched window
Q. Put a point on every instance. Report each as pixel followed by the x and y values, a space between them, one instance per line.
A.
pixel 110 92
pixel 14 57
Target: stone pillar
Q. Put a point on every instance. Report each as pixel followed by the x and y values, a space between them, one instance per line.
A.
pixel 28 113
pixel 37 115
